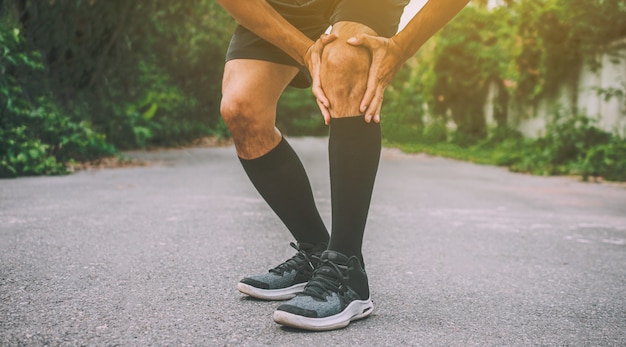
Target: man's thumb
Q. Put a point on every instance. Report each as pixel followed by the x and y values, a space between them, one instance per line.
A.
pixel 326 39
pixel 356 40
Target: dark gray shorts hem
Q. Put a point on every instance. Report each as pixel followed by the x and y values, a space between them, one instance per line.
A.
pixel 313 18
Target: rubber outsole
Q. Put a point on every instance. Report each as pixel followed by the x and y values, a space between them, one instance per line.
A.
pixel 356 310
pixel 271 294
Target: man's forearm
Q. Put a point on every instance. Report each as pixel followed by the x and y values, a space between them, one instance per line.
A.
pixel 259 17
pixel 432 17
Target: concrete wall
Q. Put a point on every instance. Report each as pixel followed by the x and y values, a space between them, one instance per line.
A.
pixel 611 114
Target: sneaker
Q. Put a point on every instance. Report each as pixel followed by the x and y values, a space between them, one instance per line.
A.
pixel 337 294
pixel 287 279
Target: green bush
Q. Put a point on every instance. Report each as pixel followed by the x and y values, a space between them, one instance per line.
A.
pixel 434 132
pixel 607 161
pixel 564 147
pixel 572 146
pixel 142 73
pixel 298 114
pixel 403 110
pixel 36 137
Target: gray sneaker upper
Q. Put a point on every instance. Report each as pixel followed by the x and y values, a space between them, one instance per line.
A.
pixel 336 283
pixel 297 269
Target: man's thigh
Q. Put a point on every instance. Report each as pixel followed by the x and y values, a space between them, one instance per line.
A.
pixel 309 17
pixel 250 92
pixel 255 81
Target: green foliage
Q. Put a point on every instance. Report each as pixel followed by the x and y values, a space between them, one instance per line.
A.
pixel 606 160
pixel 471 52
pixel 298 114
pixel 149 73
pixel 557 35
pixel 403 109
pixel 188 42
pixel 572 146
pixel 435 132
pixel 133 73
pixel 567 148
pixel 527 49
pixel 155 115
pixel 36 137
pixel 452 74
pixel 140 72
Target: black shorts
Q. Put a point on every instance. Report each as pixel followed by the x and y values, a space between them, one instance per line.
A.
pixel 313 17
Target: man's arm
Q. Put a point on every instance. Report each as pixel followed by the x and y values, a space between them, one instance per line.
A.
pixel 259 17
pixel 432 17
pixel 388 55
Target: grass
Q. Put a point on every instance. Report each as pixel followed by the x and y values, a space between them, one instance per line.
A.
pixel 475 154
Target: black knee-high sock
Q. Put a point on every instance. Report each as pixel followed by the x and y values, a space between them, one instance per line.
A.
pixel 354 153
pixel 281 180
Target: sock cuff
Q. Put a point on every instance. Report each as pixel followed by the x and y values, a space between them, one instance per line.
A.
pixel 351 120
pixel 271 158
pixel 354 129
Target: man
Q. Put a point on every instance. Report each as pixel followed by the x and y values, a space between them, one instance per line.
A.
pixel 350 68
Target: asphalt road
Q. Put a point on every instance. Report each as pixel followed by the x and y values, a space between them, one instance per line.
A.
pixel 457 254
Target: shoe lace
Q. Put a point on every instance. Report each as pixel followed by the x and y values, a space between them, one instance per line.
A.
pixel 328 278
pixel 294 262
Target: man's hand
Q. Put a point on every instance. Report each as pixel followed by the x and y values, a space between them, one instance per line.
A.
pixel 312 60
pixel 387 58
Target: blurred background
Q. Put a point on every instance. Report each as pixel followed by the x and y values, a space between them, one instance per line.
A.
pixel 535 85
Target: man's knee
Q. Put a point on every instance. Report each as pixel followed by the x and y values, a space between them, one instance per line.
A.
pixel 343 76
pixel 344 72
pixel 237 111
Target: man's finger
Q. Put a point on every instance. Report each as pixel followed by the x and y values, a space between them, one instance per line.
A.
pixel 356 40
pixel 371 88
pixel 372 80
pixel 362 40
pixel 368 97
pixel 315 61
pixel 325 111
pixel 316 85
pixel 327 38
pixel 367 41
pixel 374 105
pixel 373 111
pixel 370 113
pixel 380 107
pixel 318 92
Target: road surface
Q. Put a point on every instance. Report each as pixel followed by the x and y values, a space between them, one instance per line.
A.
pixel 457 254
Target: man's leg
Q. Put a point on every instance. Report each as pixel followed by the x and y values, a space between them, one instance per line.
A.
pixel 354 145
pixel 248 109
pixel 251 89
pixel 338 291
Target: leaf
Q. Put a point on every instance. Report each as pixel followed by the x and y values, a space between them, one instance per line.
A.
pixel 34 153
pixel 150 112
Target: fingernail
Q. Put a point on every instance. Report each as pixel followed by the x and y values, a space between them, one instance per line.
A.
pixel 352 40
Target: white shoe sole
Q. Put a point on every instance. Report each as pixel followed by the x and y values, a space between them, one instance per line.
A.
pixel 357 309
pixel 271 294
